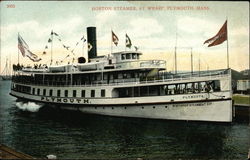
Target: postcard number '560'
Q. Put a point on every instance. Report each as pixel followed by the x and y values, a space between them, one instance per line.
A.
pixel 10 6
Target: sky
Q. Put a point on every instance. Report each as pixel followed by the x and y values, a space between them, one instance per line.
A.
pixel 155 27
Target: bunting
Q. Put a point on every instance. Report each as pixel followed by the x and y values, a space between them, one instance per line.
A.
pixel 57 36
pixel 114 38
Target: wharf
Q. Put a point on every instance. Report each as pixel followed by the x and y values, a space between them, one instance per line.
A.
pixel 242 111
pixel 9 153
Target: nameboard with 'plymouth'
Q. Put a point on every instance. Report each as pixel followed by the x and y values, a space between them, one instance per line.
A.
pixel 65 100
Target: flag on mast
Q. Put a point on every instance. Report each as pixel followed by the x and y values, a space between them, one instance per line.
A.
pixel 115 38
pixel 24 49
pixel 219 38
pixel 128 42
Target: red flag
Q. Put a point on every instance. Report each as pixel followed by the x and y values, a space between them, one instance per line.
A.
pixel 114 38
pixel 219 38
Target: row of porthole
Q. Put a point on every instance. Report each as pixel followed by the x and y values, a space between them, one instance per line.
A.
pixel 126 107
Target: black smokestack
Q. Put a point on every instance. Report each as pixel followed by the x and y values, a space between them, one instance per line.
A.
pixel 91 36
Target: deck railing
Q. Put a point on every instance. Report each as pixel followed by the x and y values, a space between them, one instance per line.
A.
pixel 134 81
pixel 141 64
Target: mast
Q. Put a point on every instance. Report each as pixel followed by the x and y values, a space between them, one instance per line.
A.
pixel 18 48
pixel 125 41
pixel 191 61
pixel 111 45
pixel 0 60
pixel 51 52
pixel 175 57
pixel 199 65
pixel 83 47
pixel 227 49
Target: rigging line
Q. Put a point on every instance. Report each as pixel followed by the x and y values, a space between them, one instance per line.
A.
pixel 216 95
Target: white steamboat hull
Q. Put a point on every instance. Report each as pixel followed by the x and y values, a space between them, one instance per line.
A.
pixel 216 111
pixel 197 109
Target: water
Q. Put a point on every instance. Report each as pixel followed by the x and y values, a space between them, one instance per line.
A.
pixel 70 134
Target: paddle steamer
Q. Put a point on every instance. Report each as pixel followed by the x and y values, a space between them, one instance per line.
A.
pixel 122 84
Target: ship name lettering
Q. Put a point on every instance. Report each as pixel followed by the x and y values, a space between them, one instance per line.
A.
pixel 85 101
pixel 53 99
pixel 78 100
pixel 193 96
pixel 64 100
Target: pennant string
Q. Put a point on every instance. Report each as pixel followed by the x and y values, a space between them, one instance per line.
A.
pixel 58 37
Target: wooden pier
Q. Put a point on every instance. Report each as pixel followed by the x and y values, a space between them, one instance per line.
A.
pixel 242 112
pixel 9 153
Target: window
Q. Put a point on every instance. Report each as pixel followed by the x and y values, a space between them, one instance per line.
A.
pixel 128 56
pixel 74 93
pixel 134 56
pixel 123 56
pixel 132 75
pixel 103 93
pixel 44 92
pixel 66 93
pixel 83 93
pixel 216 85
pixel 58 93
pixel 124 76
pixel 92 93
pixel 33 91
pixel 38 91
pixel 50 92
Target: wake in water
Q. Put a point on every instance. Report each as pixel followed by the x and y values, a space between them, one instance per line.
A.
pixel 29 106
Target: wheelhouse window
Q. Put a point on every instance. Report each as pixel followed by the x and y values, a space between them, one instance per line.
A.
pixel 33 91
pixel 83 93
pixel 134 56
pixel 74 93
pixel 123 56
pixel 50 92
pixel 66 93
pixel 58 93
pixel 92 93
pixel 38 91
pixel 128 56
pixel 103 93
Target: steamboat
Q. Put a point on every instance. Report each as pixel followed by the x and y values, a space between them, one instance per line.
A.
pixel 122 84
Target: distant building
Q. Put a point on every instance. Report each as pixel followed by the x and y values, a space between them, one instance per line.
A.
pixel 243 86
pixel 245 72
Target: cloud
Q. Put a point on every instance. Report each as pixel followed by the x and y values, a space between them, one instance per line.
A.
pixel 36 34
pixel 28 26
pixel 144 27
pixel 197 25
pixel 103 17
pixel 239 31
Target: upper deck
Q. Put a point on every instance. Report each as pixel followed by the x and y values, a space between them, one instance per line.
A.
pixel 118 62
pixel 107 79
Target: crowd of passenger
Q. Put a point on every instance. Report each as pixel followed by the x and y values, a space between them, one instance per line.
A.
pixel 18 67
